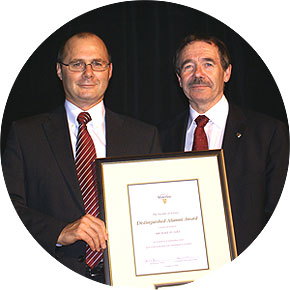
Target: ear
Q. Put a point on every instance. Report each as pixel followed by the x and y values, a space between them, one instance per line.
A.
pixel 59 71
pixel 179 80
pixel 110 70
pixel 227 73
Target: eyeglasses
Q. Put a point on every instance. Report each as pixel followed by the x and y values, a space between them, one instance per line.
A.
pixel 80 66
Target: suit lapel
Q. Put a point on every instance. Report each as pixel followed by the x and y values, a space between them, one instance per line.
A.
pixel 113 134
pixel 181 127
pixel 173 133
pixel 56 129
pixel 234 131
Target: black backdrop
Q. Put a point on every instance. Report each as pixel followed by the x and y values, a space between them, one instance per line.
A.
pixel 142 37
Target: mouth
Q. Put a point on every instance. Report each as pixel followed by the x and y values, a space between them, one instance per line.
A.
pixel 86 86
pixel 199 86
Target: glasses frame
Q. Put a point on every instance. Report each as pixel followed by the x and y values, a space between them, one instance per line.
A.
pixel 85 67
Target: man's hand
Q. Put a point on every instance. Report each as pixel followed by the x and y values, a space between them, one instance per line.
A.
pixel 89 229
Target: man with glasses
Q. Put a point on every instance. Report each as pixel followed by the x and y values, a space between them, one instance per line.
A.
pixel 48 161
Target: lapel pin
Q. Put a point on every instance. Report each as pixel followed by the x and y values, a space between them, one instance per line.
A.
pixel 239 135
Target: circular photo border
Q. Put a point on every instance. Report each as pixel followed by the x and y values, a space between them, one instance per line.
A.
pixel 31 265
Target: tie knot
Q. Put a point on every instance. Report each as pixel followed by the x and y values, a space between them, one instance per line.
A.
pixel 201 121
pixel 84 118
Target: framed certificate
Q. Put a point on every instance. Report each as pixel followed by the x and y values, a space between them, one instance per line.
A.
pixel 168 218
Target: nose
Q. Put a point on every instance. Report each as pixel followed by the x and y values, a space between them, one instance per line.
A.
pixel 198 71
pixel 88 72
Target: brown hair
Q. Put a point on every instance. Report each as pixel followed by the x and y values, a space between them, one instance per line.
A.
pixel 223 51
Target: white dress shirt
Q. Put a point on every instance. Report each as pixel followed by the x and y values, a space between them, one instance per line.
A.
pixel 215 127
pixel 96 126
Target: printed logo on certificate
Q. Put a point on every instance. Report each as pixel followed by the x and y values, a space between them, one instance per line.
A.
pixel 167 227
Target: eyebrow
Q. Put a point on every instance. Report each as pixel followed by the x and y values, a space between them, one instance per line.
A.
pixel 203 59
pixel 186 62
pixel 80 59
pixel 209 59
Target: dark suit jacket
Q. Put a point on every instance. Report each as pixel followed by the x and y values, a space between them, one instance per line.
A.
pixel 256 165
pixel 40 175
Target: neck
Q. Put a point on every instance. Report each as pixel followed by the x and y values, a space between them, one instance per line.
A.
pixel 84 106
pixel 202 108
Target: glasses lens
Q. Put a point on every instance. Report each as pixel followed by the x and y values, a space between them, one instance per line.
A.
pixel 77 66
pixel 98 66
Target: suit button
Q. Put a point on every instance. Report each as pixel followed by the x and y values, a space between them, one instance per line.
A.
pixel 81 259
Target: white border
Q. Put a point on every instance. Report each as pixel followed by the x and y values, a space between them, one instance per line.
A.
pixel 26 24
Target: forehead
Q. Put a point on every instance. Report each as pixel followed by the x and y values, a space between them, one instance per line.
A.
pixel 90 47
pixel 198 50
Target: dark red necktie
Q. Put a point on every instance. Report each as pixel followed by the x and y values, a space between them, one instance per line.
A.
pixel 86 172
pixel 200 139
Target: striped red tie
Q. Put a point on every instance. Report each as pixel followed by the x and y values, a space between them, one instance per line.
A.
pixel 200 139
pixel 86 172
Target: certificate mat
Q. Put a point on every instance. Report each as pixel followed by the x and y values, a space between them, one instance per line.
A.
pixel 167 227
pixel 168 218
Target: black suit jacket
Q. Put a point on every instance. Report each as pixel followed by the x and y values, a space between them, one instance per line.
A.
pixel 40 175
pixel 256 150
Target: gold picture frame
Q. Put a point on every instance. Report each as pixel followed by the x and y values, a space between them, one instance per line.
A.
pixel 168 218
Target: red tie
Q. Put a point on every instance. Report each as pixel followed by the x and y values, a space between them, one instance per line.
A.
pixel 86 172
pixel 200 139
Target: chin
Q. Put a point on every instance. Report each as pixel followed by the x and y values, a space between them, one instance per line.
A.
pixel 88 96
pixel 199 97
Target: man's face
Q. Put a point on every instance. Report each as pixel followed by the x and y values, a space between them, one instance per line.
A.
pixel 201 75
pixel 84 89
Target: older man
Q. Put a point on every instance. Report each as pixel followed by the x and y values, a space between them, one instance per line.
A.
pixel 255 146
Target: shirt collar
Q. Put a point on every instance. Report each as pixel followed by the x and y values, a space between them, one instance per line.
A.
pixel 217 114
pixel 97 113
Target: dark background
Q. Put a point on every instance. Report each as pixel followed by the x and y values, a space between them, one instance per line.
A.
pixel 142 37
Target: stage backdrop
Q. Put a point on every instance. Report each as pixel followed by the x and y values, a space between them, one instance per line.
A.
pixel 142 37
